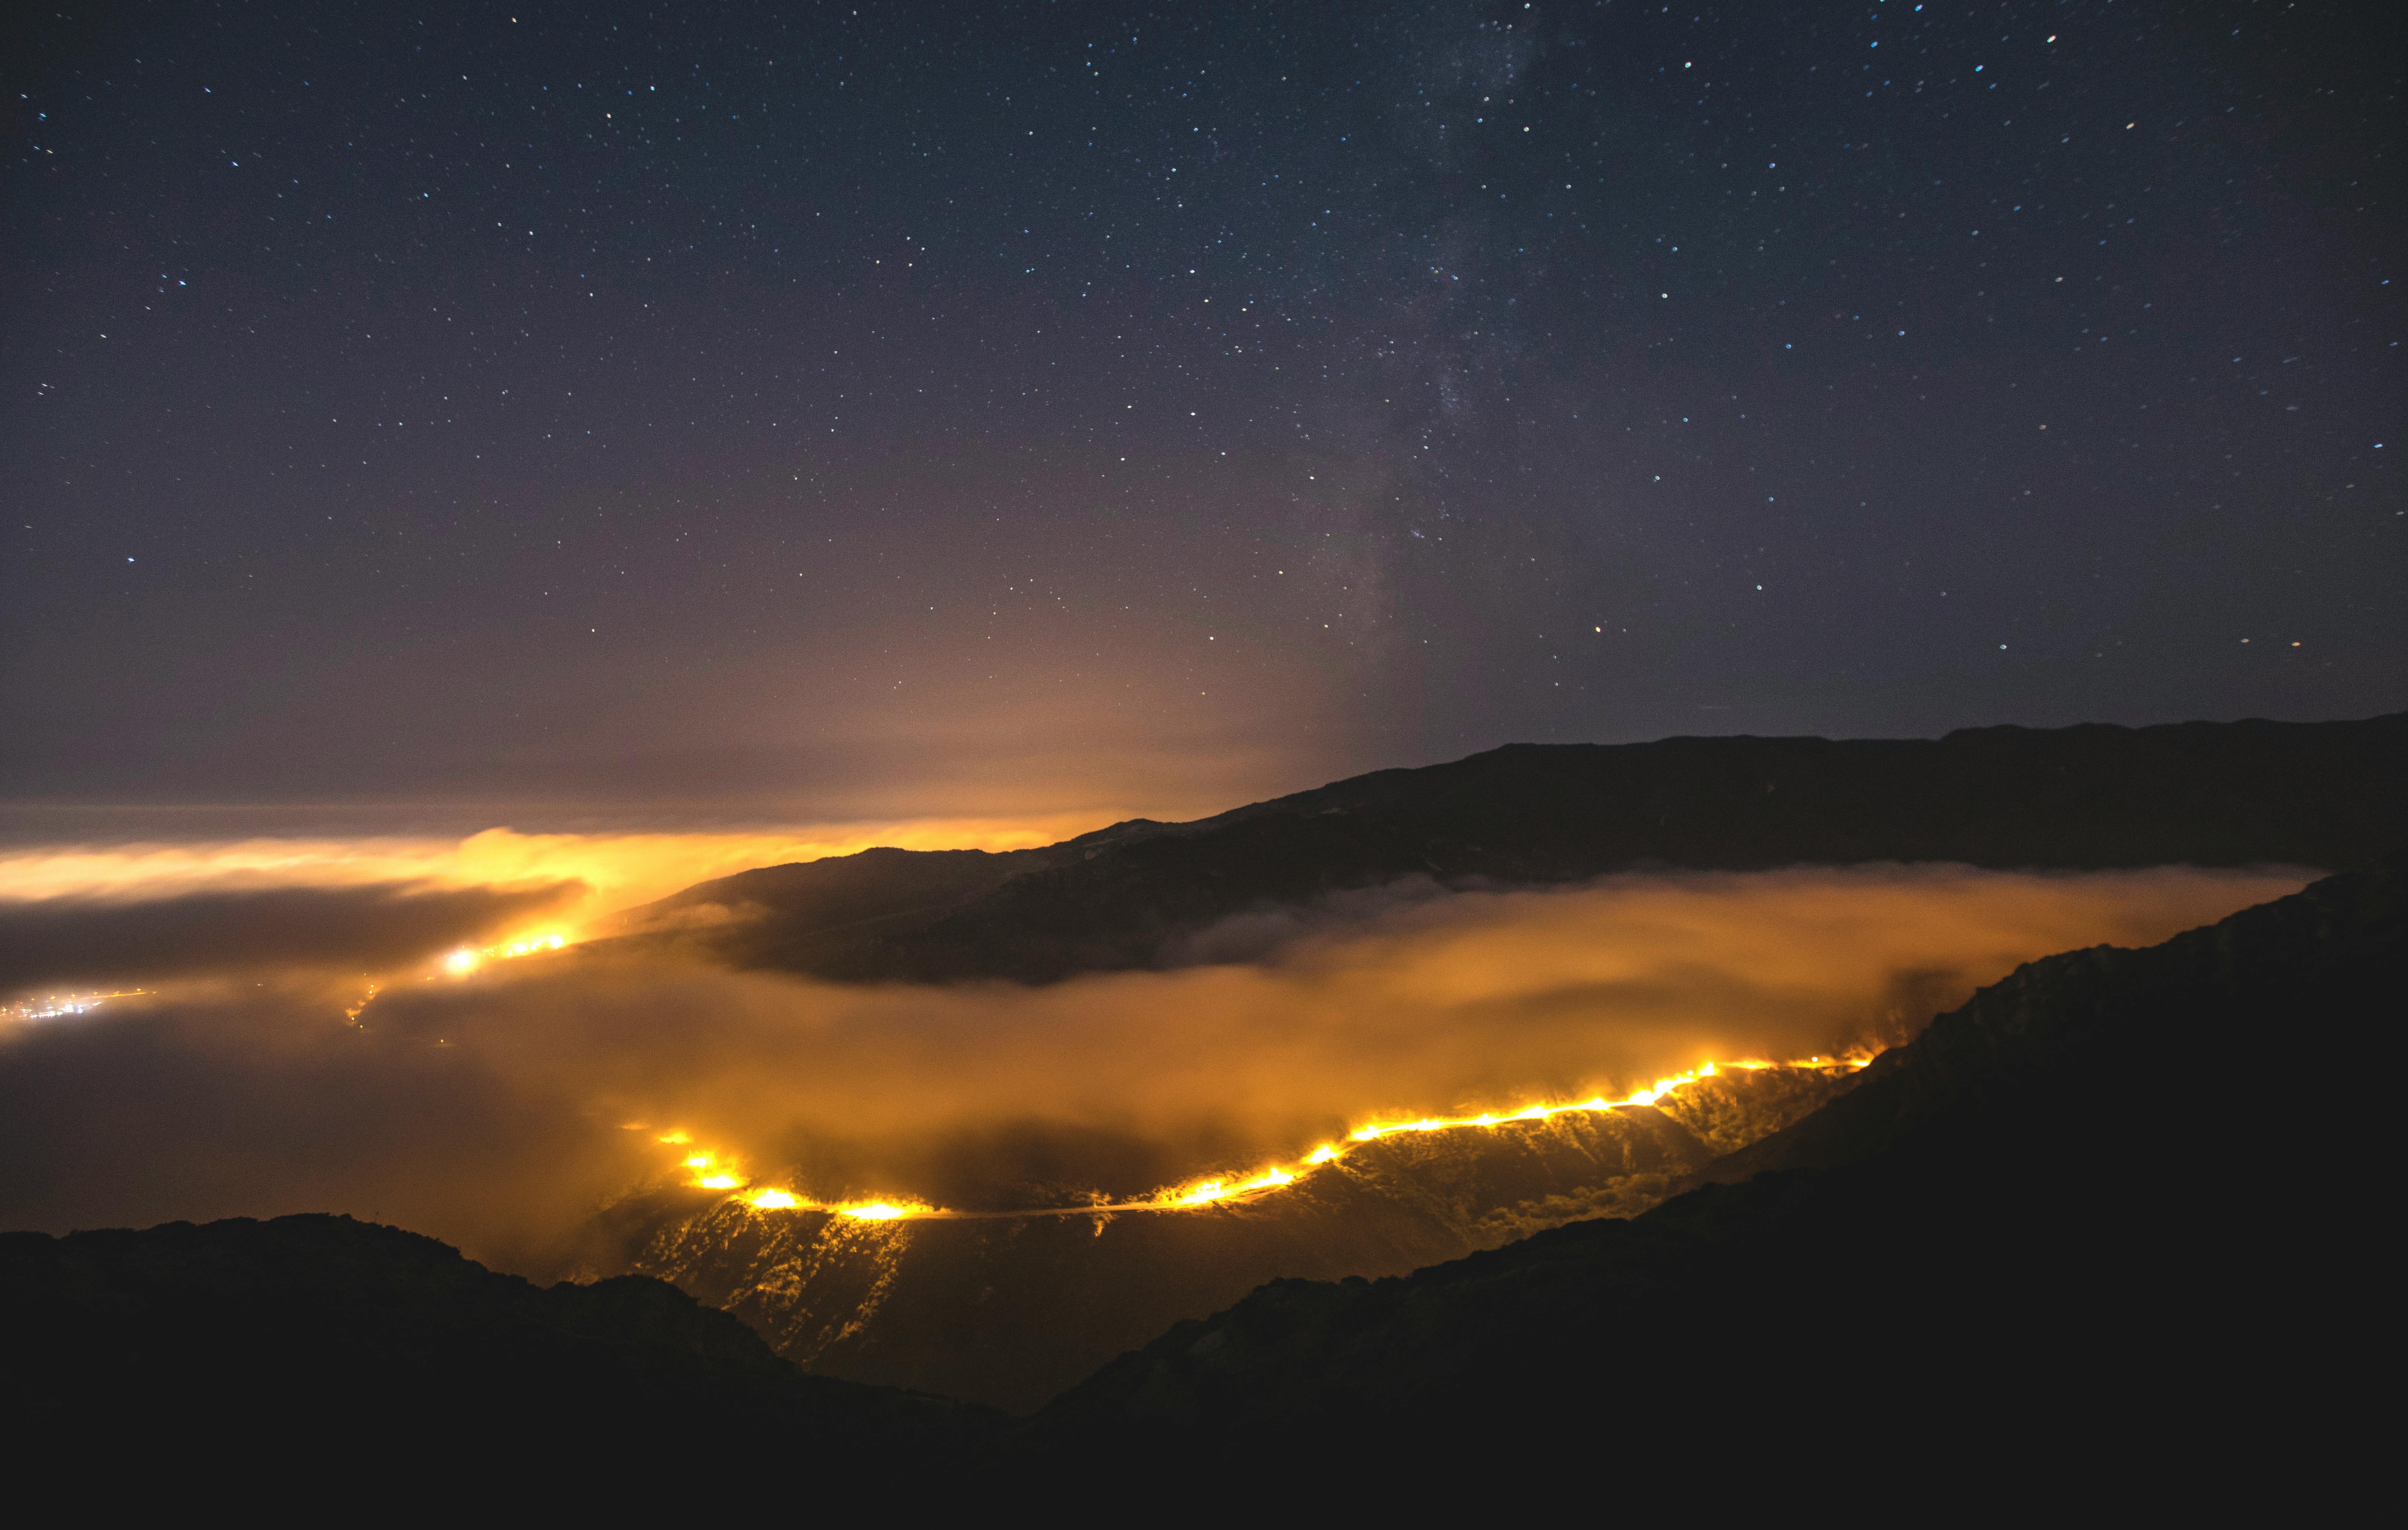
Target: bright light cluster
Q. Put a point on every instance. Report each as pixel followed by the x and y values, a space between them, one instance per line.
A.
pixel 58 1006
pixel 710 1169
pixel 466 960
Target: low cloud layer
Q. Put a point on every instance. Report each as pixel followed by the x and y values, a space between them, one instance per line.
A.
pixel 72 940
pixel 612 870
pixel 497 1112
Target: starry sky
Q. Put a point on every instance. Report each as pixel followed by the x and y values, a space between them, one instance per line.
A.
pixel 717 410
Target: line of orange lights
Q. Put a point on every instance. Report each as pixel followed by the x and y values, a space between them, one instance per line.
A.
pixel 712 1171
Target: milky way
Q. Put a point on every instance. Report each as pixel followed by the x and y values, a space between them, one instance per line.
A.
pixel 998 409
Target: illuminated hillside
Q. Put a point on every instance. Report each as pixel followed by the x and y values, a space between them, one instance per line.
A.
pixel 1008 1305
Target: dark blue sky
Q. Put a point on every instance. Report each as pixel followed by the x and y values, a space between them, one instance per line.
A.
pixel 877 408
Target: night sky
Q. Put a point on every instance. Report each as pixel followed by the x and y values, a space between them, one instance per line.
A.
pixel 843 409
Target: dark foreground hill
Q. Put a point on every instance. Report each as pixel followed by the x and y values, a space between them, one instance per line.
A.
pixel 2325 795
pixel 2073 1231
pixel 288 1347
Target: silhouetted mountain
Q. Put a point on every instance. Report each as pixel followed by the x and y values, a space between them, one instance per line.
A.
pixel 319 1341
pixel 2323 795
pixel 2072 1233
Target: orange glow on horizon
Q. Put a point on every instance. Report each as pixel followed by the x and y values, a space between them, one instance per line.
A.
pixel 598 874
pixel 618 870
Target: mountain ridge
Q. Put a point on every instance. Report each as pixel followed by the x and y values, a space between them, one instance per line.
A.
pixel 2092 796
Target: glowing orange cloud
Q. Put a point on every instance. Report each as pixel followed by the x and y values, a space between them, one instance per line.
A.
pixel 1459 1012
pixel 618 870
pixel 1475 1011
pixel 465 960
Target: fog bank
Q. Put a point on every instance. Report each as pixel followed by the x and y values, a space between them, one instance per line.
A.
pixel 502 1111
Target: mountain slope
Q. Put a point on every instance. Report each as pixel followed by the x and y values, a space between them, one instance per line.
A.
pixel 2059 1231
pixel 1009 1310
pixel 2323 795
pixel 341 1341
